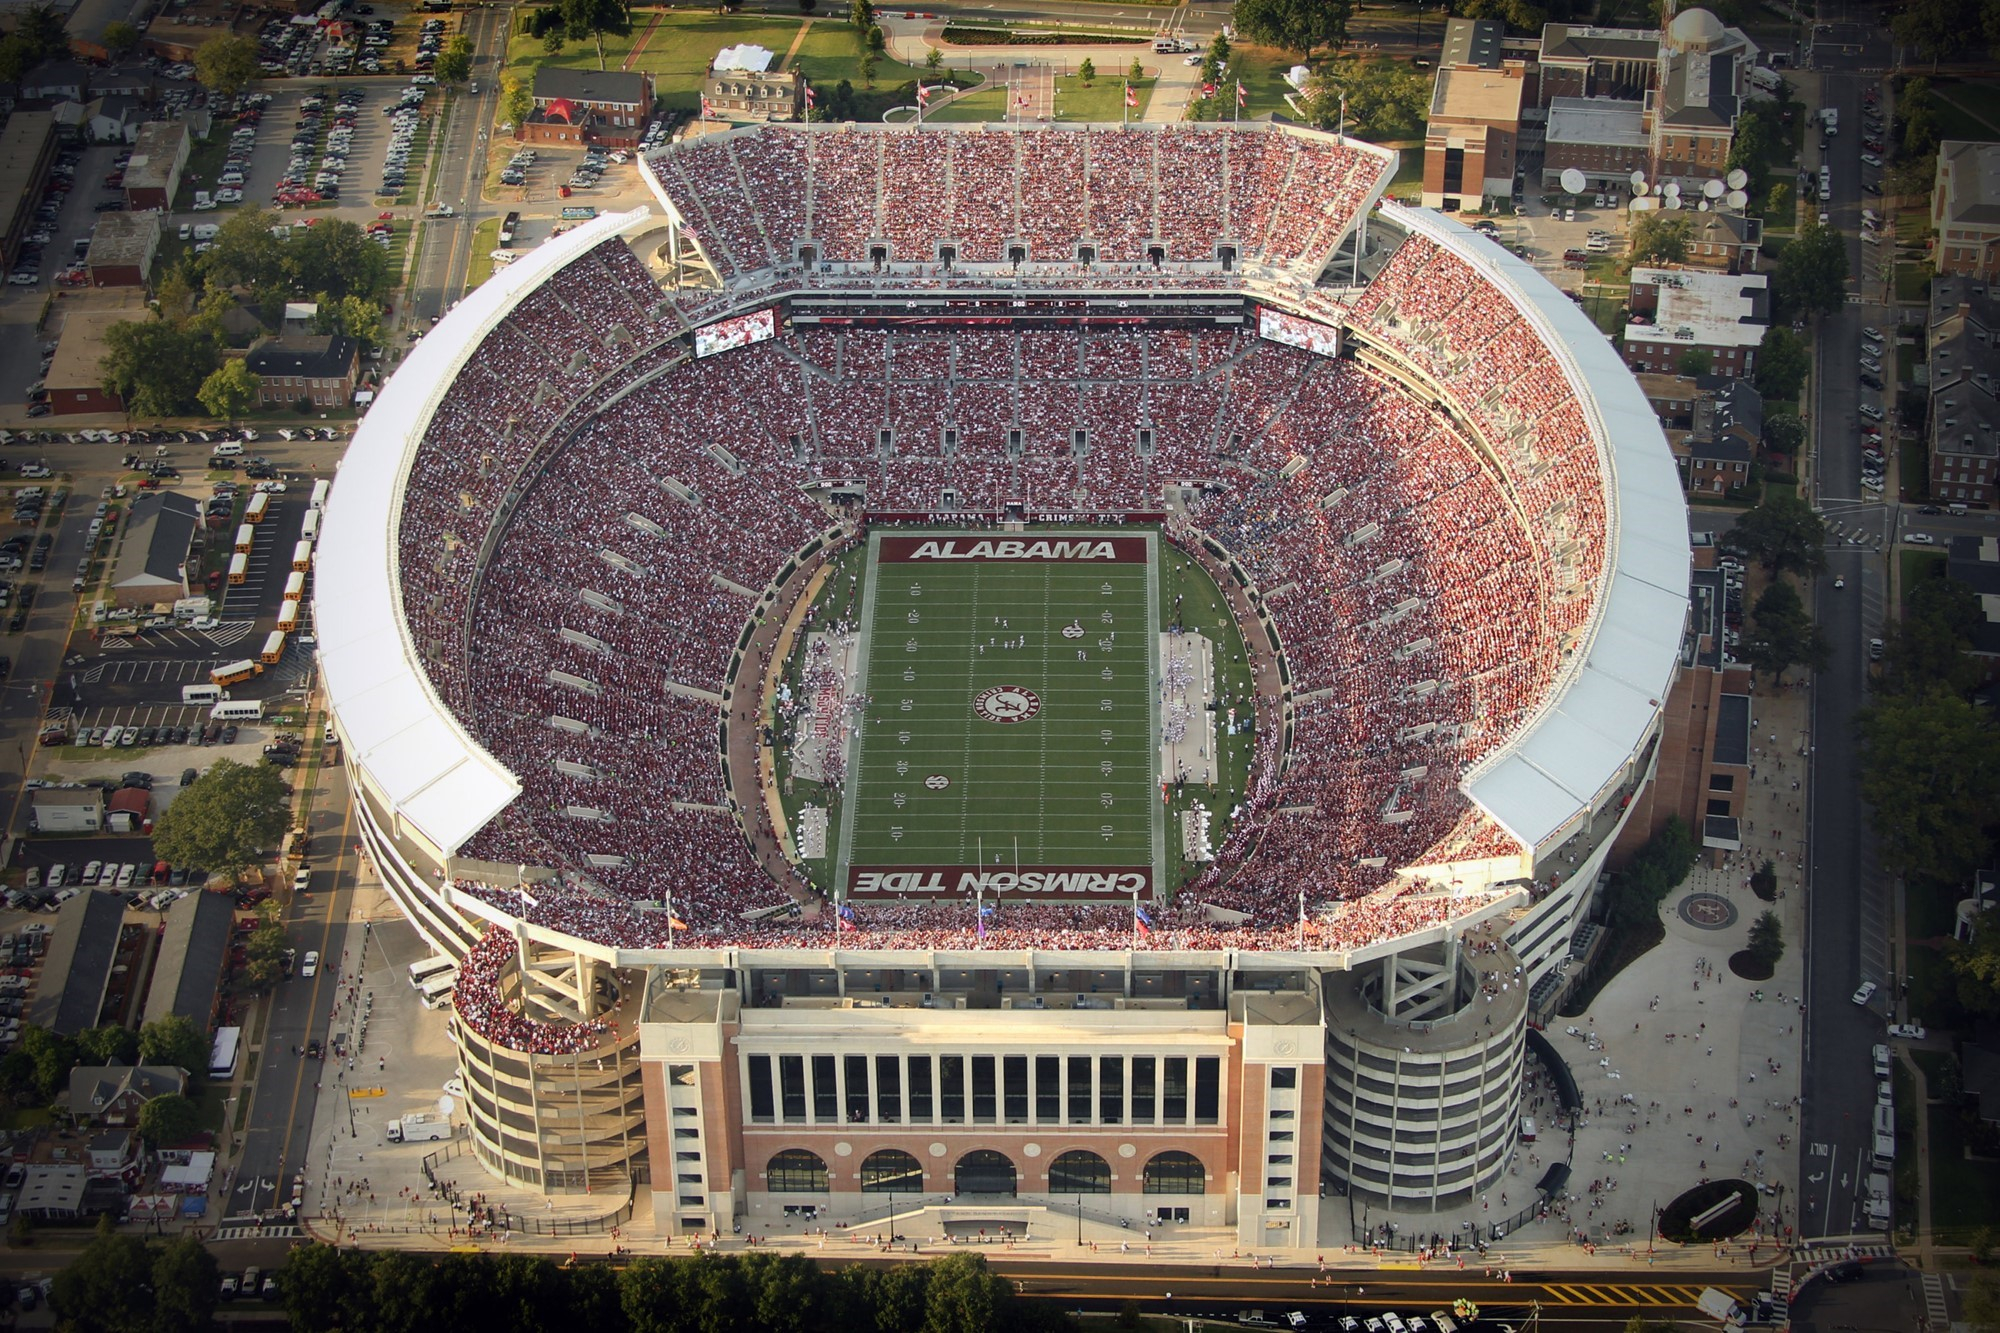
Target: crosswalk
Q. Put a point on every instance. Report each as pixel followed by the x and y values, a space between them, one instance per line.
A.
pixel 239 1229
pixel 1934 1304
pixel 1663 1295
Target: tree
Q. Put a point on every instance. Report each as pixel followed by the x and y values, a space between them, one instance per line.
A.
pixel 52 1056
pixel 877 40
pixel 1933 28
pixel 1784 533
pixel 1767 939
pixel 1782 635
pixel 1778 203
pixel 337 258
pixel 1930 772
pixel 869 60
pixel 108 1288
pixel 594 18
pixel 1782 363
pixel 168 1120
pixel 230 390
pixel 355 316
pixel 324 1288
pixel 264 953
pixel 1930 648
pixel 1695 362
pixel 1812 273
pixel 1385 99
pixel 517 100
pixel 1087 71
pixel 1660 238
pixel 1294 25
pixel 861 13
pixel 156 368
pixel 225 64
pixel 552 43
pixel 1137 70
pixel 1783 432
pixel 964 1296
pixel 120 38
pixel 455 64
pixel 174 1041
pixel 108 1045
pixel 1975 965
pixel 227 820
pixel 186 1287
pixel 934 59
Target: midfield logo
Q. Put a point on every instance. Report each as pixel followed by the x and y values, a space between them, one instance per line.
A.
pixel 953 549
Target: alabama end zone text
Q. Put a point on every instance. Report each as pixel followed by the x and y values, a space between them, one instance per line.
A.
pixel 1039 882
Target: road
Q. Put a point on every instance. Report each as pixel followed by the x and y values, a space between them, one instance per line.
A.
pixel 1850 916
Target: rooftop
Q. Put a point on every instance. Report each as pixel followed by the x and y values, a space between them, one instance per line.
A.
pixel 1576 43
pixel 154 154
pixel 124 238
pixel 22 142
pixel 1597 120
pixel 1485 96
pixel 1968 183
pixel 1705 309
pixel 1473 42
pixel 606 87
pixel 1699 91
pixel 325 357
pixel 1975 562
pixel 80 345
pixel 746 59
pixel 157 537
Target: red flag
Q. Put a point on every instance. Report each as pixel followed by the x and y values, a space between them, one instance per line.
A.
pixel 707 112
pixel 1242 98
pixel 1208 90
pixel 923 95
pixel 1131 97
pixel 811 98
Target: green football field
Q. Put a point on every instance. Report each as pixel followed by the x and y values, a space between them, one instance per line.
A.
pixel 977 754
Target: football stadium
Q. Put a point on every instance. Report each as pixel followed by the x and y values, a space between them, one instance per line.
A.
pixel 1004 676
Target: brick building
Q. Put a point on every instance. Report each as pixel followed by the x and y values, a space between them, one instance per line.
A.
pixel 1578 60
pixel 159 156
pixel 1474 128
pixel 320 369
pixel 1676 311
pixel 744 85
pixel 1964 382
pixel 588 106
pixel 1965 209
pixel 122 248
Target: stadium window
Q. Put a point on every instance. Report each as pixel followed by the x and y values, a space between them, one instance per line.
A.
pixel 761 1110
pixel 1278 1205
pixel 857 1089
pixel 792 1087
pixel 1143 1070
pixel 826 1089
pixel 1207 1089
pixel 796 1171
pixel 984 1098
pixel 1079 1090
pixel 1111 1089
pixel 1079 1171
pixel 681 1075
pixel 686 1132
pixel 1048 1089
pixel 888 1089
pixel 951 1089
pixel 891 1171
pixel 920 1088
pixel 1014 1089
pixel 1173 1090
pixel 1284 1076
pixel 1175 1172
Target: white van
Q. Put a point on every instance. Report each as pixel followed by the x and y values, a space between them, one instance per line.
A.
pixel 228 449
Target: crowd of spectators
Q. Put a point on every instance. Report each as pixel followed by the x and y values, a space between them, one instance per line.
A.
pixel 479 998
pixel 759 197
pixel 1420 596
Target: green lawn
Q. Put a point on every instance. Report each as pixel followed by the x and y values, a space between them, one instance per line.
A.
pixel 1103 102
pixel 1968 109
pixel 1913 468
pixel 832 52
pixel 1916 566
pixel 1913 280
pixel 1262 70
pixel 676 52
pixel 988 104
pixel 1962 1187
pixel 485 240
pixel 1012 713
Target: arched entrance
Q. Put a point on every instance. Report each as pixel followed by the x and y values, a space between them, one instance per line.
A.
pixel 891 1171
pixel 1079 1172
pixel 983 1171
pixel 1175 1173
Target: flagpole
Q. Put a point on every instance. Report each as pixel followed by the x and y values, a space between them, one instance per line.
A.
pixel 1125 113
pixel 1237 118
pixel 1301 946
pixel 1135 920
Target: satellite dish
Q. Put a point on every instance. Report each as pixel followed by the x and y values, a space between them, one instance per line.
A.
pixel 1738 199
pixel 1644 205
pixel 1638 182
pixel 446 1105
pixel 1737 178
pixel 1713 189
pixel 1672 189
pixel 1572 181
pixel 1673 201
pixel 1704 205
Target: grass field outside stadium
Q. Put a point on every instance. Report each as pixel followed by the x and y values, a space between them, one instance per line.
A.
pixel 1011 716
